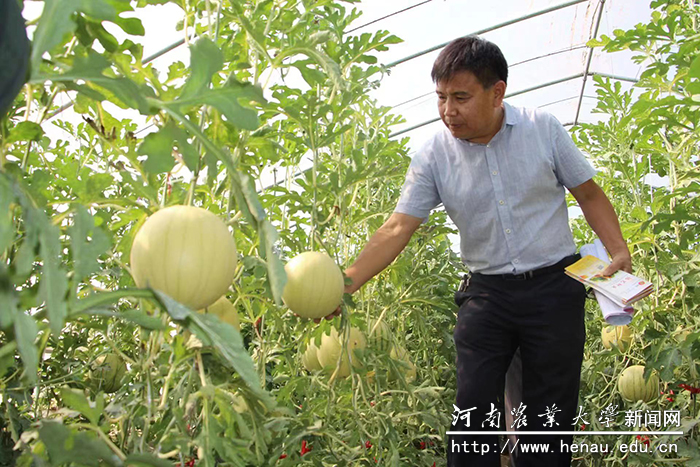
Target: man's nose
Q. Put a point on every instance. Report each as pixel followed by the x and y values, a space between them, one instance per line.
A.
pixel 450 108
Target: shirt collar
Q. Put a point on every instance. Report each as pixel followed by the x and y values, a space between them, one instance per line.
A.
pixel 511 115
pixel 510 118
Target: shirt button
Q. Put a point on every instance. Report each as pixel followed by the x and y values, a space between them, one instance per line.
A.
pixel 508 231
pixel 516 261
pixel 501 202
pixel 495 172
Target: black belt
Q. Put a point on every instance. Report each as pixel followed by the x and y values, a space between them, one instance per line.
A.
pixel 569 260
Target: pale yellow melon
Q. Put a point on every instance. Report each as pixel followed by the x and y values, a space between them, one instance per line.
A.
pixel 331 347
pixel 185 252
pixel 224 309
pixel 315 285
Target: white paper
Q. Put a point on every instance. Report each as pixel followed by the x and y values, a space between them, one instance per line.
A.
pixel 612 313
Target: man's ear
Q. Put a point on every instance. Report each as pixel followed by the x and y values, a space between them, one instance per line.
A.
pixel 499 92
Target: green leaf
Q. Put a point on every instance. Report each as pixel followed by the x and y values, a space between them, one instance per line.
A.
pixel 76 400
pixel 89 68
pixel 194 130
pixel 158 147
pixel 131 26
pixel 108 41
pixel 25 131
pixel 319 37
pixel 331 68
pixel 653 334
pixel 695 67
pixel 252 200
pixel 25 334
pixel 145 460
pixel 56 22
pixel 205 60
pixel 670 359
pixel 8 299
pixel 105 299
pixel 142 319
pixel 175 309
pixel 7 228
pixel 53 284
pixel 66 445
pixel 276 274
pixel 85 91
pixel 228 341
pixel 86 252
pixel 137 317
pixel 226 100
pixel 222 336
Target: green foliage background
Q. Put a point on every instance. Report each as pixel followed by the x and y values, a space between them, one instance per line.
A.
pixel 69 210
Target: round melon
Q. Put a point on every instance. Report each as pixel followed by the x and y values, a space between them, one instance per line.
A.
pixel 401 354
pixel 315 285
pixel 681 333
pixel 633 388
pixel 107 372
pixel 620 336
pixel 379 335
pixel 185 252
pixel 224 309
pixel 331 347
pixel 310 358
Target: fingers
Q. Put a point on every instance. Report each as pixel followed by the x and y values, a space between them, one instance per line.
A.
pixel 624 264
pixel 329 317
pixel 609 271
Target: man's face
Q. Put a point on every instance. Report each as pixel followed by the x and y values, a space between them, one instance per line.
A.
pixel 467 109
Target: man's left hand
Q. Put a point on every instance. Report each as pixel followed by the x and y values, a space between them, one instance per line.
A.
pixel 621 261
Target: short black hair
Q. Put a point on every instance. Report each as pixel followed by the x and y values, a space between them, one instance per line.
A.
pixel 471 53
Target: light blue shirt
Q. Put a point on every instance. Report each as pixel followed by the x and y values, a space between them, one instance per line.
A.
pixel 507 197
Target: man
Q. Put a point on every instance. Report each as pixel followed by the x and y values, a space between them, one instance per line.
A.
pixel 14 53
pixel 500 171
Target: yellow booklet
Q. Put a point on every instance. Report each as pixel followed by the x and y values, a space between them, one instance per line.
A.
pixel 622 288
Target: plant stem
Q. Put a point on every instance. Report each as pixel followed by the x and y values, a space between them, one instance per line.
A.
pixel 104 438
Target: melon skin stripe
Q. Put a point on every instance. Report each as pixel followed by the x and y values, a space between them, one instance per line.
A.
pixel 633 387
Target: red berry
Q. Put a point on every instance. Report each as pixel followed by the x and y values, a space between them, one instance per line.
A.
pixel 368 445
pixel 304 448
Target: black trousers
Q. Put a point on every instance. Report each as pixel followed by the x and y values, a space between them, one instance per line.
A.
pixel 544 318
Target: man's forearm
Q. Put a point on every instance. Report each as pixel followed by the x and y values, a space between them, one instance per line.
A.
pixel 379 252
pixel 601 216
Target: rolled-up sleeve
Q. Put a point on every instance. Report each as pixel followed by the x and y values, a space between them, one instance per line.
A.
pixel 571 166
pixel 419 194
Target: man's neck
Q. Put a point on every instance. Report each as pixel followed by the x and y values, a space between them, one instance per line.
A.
pixel 498 124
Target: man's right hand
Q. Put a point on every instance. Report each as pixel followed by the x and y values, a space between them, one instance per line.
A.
pixel 329 317
pixel 384 246
pixel 337 311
